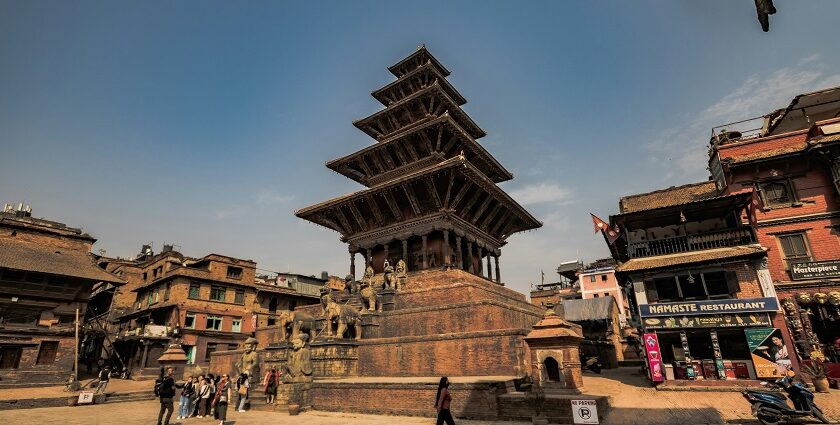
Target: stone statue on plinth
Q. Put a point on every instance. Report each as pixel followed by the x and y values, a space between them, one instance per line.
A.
pixel 299 367
pixel 342 316
pixel 370 298
pixel 249 363
pixel 295 322
pixel 390 279
pixel 351 285
pixel 400 274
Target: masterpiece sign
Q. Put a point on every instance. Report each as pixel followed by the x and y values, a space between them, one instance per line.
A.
pixel 815 270
pixel 692 308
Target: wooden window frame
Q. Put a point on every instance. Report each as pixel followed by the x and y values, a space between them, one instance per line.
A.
pixel 805 241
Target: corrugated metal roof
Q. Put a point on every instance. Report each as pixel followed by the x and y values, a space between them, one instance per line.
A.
pixel 588 309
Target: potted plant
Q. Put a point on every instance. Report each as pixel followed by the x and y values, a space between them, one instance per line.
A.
pixel 535 397
pixel 819 374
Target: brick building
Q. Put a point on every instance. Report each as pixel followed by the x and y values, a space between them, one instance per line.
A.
pixel 791 157
pixel 205 304
pixel 700 286
pixel 567 288
pixel 598 280
pixel 46 276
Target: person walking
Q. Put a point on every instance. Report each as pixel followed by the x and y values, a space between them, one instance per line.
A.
pixel 442 403
pixel 243 387
pixel 204 398
pixel 185 403
pixel 223 396
pixel 270 385
pixel 195 403
pixel 104 378
pixel 165 389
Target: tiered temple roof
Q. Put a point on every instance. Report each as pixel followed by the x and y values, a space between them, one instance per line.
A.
pixel 426 176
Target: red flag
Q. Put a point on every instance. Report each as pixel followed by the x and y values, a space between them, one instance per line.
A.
pixel 755 205
pixel 601 225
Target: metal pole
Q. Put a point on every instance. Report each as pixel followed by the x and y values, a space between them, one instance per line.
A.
pixel 76 357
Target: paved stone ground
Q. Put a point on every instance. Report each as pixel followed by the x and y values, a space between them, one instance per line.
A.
pixel 114 385
pixel 633 402
pixel 145 412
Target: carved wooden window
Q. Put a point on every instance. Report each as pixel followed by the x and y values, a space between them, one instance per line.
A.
pixel 239 297
pixel 779 193
pixel 794 248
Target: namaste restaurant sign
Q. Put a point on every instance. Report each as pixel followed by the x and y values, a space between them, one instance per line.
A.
pixel 691 308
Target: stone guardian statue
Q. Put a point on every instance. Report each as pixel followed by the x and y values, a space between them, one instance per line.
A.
pixel 249 363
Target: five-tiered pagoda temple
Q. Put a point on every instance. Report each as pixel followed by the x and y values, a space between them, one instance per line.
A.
pixel 431 196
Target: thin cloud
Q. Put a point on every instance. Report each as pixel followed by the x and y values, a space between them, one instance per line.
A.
pixel 686 145
pixel 541 193
pixel 268 197
pixel 227 213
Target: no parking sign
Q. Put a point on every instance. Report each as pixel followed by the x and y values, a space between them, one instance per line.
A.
pixel 585 412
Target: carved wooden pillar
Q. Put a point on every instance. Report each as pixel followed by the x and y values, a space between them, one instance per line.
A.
pixel 353 264
pixel 459 257
pixel 470 267
pixel 446 248
pixel 498 278
pixel 480 270
pixel 489 269
pixel 367 257
pixel 405 254
pixel 425 254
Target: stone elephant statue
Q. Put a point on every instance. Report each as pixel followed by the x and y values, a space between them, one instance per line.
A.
pixel 295 322
pixel 342 316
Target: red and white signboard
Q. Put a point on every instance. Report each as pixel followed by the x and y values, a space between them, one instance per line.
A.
pixel 85 397
pixel 585 412
pixel 654 357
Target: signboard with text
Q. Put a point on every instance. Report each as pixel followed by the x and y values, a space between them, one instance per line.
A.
pixel 585 412
pixel 718 321
pixel 769 353
pixel 815 270
pixel 85 397
pixel 654 357
pixel 692 308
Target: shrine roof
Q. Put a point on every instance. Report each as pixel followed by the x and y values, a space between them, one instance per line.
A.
pixel 661 261
pixel 497 172
pixel 672 196
pixel 433 89
pixel 410 62
pixel 427 67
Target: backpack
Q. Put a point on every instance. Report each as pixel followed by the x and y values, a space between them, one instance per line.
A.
pixel 158 386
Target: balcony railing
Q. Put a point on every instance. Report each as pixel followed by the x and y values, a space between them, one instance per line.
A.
pixel 694 242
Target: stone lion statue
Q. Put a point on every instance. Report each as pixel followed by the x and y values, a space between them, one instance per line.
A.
pixel 350 284
pixel 390 278
pixel 342 316
pixel 295 322
pixel 368 277
pixel 370 298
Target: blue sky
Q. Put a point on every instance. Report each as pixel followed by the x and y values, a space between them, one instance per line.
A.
pixel 207 123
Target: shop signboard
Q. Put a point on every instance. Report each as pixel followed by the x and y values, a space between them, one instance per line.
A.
pixel 689 365
pixel 815 270
pixel 693 308
pixel 769 352
pixel 721 371
pixel 719 321
pixel 654 357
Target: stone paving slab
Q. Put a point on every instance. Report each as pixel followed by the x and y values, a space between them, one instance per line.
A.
pixel 114 385
pixel 145 412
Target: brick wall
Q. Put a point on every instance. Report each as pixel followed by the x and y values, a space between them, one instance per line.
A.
pixel 31 373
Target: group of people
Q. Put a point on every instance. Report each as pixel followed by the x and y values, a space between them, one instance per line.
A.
pixel 209 395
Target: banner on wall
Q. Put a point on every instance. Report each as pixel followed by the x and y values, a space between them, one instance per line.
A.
pixel 654 357
pixel 769 352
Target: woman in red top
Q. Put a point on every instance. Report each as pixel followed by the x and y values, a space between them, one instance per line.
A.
pixel 442 403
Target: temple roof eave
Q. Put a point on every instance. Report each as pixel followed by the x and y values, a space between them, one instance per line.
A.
pixel 476 131
pixel 341 165
pixel 395 68
pixel 447 86
pixel 529 221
